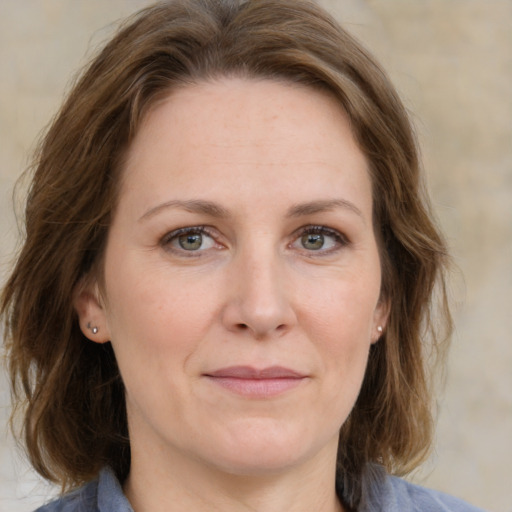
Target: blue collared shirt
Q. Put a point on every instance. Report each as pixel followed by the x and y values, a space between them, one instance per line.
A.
pixel 389 494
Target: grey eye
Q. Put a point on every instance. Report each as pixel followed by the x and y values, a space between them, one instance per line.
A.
pixel 320 239
pixel 190 241
pixel 312 241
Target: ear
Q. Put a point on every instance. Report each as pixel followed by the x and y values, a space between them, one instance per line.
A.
pixel 380 319
pixel 91 311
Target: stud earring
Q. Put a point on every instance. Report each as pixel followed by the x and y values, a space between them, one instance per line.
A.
pixel 379 329
pixel 93 329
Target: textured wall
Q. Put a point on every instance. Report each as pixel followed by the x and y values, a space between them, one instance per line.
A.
pixel 451 60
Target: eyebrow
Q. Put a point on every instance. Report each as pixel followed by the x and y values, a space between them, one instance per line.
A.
pixel 192 205
pixel 320 206
pixel 215 210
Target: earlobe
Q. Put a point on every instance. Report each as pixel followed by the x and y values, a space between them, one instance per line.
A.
pixel 380 320
pixel 377 334
pixel 91 313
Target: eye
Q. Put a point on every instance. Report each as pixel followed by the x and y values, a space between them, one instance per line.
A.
pixel 193 239
pixel 319 239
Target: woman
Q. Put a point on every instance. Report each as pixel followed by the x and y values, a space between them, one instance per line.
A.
pixel 224 298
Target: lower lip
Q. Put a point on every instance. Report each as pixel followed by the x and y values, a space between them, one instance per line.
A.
pixel 257 388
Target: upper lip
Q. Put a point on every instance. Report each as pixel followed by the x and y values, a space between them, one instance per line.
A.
pixel 248 372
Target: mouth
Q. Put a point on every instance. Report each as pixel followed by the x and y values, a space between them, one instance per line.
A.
pixel 256 383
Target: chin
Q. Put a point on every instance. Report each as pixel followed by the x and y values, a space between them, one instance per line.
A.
pixel 262 449
pixel 262 463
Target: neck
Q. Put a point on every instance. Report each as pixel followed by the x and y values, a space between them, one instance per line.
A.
pixel 190 485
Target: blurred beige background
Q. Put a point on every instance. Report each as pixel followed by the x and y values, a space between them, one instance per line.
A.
pixel 452 62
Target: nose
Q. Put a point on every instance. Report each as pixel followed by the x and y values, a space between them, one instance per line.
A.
pixel 258 300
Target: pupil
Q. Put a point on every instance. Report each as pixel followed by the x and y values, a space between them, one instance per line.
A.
pixel 190 242
pixel 313 241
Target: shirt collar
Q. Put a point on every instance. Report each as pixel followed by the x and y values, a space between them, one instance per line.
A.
pixel 110 493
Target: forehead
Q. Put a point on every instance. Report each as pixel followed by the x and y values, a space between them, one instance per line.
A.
pixel 235 105
pixel 245 133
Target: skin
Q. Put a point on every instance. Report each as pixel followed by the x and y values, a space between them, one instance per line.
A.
pixel 255 164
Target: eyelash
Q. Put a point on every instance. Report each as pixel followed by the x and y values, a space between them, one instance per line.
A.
pixel 340 239
pixel 192 230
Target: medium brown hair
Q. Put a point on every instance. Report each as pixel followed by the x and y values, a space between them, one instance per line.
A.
pixel 74 408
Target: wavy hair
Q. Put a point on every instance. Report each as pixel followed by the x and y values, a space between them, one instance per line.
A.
pixel 69 390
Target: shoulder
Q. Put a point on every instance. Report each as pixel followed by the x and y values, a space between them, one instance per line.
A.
pixel 102 495
pixel 381 492
pixel 84 499
pixel 411 497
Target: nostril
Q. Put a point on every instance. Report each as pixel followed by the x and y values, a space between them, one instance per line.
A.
pixel 242 327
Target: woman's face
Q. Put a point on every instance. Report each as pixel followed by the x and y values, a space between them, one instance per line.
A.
pixel 242 277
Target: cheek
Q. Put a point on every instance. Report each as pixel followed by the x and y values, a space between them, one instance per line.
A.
pixel 339 317
pixel 154 315
pixel 341 306
pixel 156 328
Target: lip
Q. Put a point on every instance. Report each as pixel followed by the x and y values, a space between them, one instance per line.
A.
pixel 248 372
pixel 256 383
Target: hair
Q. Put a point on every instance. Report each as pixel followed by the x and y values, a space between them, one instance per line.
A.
pixel 70 390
